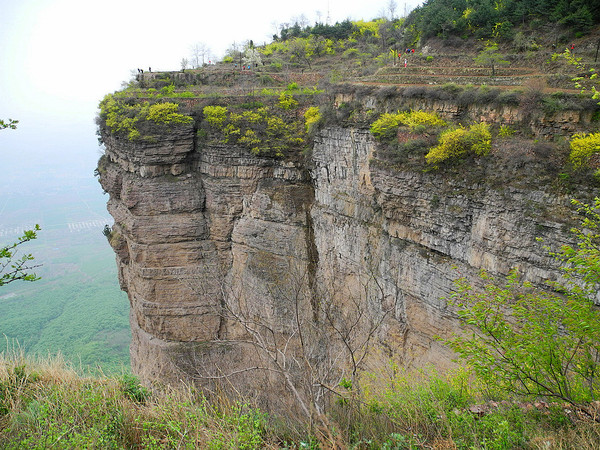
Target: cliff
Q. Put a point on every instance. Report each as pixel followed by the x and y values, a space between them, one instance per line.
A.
pixel 295 271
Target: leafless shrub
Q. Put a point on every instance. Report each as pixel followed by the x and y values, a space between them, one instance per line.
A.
pixel 304 342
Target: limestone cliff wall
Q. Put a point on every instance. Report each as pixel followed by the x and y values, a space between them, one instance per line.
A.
pixel 218 249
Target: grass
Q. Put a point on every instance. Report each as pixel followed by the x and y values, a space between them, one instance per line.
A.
pixel 44 403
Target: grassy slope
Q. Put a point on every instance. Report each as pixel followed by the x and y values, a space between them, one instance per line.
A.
pixel 45 404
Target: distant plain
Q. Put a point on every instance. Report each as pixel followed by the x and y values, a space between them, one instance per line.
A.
pixel 77 308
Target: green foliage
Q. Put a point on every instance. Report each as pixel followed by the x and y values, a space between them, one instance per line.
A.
pixel 351 53
pixel 167 90
pixel 583 261
pixel 528 342
pixel 583 146
pixel 443 410
pixel 535 343
pixel 13 268
pixel 166 113
pixel 44 404
pixel 119 116
pixel 132 389
pixel 505 131
pixel 215 115
pixel 261 129
pixel 287 101
pixel 489 56
pixel 589 84
pixel 49 406
pixel 481 18
pixel 312 117
pixel 10 123
pixel 122 116
pixel 454 143
pixel 387 125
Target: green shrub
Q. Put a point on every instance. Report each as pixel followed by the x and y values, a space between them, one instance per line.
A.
pixel 351 53
pixel 533 343
pixel 287 101
pixel 166 113
pixel 261 130
pixel 583 146
pixel 386 126
pixel 505 131
pixel 266 92
pixel 132 389
pixel 460 141
pixel 413 119
pixel 312 116
pixel 167 90
pixel 215 115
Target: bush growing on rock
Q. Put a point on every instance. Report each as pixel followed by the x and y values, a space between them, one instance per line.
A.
pixel 583 146
pixel 215 115
pixel 261 130
pixel 387 125
pixel 166 113
pixel 312 117
pixel 453 143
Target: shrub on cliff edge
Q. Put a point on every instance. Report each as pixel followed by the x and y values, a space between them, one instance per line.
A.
pixel 583 146
pixel 386 126
pixel 166 113
pixel 453 143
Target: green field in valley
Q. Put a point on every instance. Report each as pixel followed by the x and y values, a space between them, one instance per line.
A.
pixel 77 308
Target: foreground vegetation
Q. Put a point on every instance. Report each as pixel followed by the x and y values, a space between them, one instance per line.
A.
pixel 46 404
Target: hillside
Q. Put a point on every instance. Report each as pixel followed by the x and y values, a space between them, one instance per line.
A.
pixel 46 404
pixel 320 175
pixel 291 222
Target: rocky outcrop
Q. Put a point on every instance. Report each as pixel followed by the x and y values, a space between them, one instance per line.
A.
pixel 252 269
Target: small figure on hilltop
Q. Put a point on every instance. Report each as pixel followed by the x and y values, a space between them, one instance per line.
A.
pixel 150 69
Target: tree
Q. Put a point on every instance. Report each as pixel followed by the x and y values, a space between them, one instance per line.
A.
pixel 199 52
pixel 317 350
pixel 13 268
pixel 302 50
pixel 529 342
pixel 392 6
pixel 10 123
pixel 489 56
pixel 587 80
pixel 252 57
pixel 184 64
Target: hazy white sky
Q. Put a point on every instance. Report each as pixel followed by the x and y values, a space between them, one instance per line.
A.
pixel 59 57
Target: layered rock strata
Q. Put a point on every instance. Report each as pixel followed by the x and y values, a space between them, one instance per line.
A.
pixel 232 261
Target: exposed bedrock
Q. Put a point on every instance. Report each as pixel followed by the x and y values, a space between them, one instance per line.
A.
pixel 214 244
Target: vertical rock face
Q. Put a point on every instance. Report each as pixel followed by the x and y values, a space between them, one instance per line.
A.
pixel 235 265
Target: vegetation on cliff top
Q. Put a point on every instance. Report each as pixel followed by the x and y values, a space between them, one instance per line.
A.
pixel 124 117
